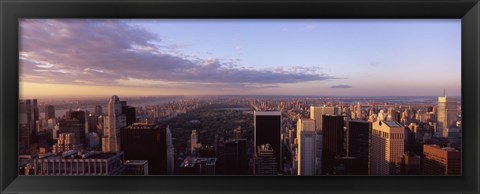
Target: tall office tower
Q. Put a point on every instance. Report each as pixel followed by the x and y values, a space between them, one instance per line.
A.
pixel 75 122
pixel 267 130
pixel 446 114
pixel 306 154
pixel 92 122
pixel 236 161
pixel 358 144
pixel 441 161
pixel 359 110
pixel 71 126
pixel 49 112
pixel 35 113
pixel 24 122
pixel 332 142
pixel 317 112
pixel 113 122
pixel 98 110
pixel 265 161
pixel 387 147
pixel 142 141
pixel 129 113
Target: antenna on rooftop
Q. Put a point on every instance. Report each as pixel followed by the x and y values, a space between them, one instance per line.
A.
pixel 443 91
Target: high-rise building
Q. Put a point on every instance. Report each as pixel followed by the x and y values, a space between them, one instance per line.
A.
pixel 98 110
pixel 24 122
pixel 113 122
pixel 236 161
pixel 441 160
pixel 72 126
pixel 359 110
pixel 129 113
pixel 142 141
pixel 92 123
pixel 81 118
pixel 49 112
pixel 358 144
pixel 387 147
pixel 332 142
pixel 446 115
pixel 267 130
pixel 265 161
pixel 306 154
pixel 316 113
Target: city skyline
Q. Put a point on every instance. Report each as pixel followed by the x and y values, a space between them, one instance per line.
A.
pixel 69 57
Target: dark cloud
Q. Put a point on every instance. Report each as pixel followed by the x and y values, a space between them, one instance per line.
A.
pixel 341 86
pixel 102 52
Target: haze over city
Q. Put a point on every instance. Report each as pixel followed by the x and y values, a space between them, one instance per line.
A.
pixel 72 57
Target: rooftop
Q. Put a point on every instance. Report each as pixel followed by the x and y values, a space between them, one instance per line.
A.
pixel 268 113
pixel 392 123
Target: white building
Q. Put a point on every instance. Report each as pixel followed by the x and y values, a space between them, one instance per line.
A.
pixel 306 137
pixel 446 115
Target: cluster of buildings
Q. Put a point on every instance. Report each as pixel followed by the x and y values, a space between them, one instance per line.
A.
pixel 290 137
pixel 366 141
pixel 125 147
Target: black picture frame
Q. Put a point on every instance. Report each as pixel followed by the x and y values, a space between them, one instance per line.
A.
pixel 12 10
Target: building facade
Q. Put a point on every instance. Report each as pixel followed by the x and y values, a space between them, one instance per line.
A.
pixel 306 153
pixel 446 115
pixel 267 130
pixel 387 147
pixel 441 160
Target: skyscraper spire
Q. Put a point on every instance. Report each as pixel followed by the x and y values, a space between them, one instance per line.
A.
pixel 444 92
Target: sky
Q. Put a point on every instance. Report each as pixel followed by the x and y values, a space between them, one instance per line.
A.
pixel 311 57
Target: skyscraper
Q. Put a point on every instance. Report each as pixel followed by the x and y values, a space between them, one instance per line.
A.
pixel 446 114
pixel 267 130
pixel 306 138
pixel 441 161
pixel 113 122
pixel 316 113
pixel 236 161
pixel 358 137
pixel 387 147
pixel 359 110
pixel 77 121
pixel 27 124
pixel 129 113
pixel 150 142
pixel 49 112
pixel 98 110
pixel 332 142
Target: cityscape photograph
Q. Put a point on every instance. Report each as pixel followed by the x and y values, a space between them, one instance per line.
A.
pixel 242 97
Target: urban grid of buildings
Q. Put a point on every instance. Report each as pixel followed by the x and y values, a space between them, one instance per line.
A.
pixel 289 136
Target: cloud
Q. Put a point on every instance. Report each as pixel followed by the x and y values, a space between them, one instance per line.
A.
pixel 374 64
pixel 116 53
pixel 341 86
